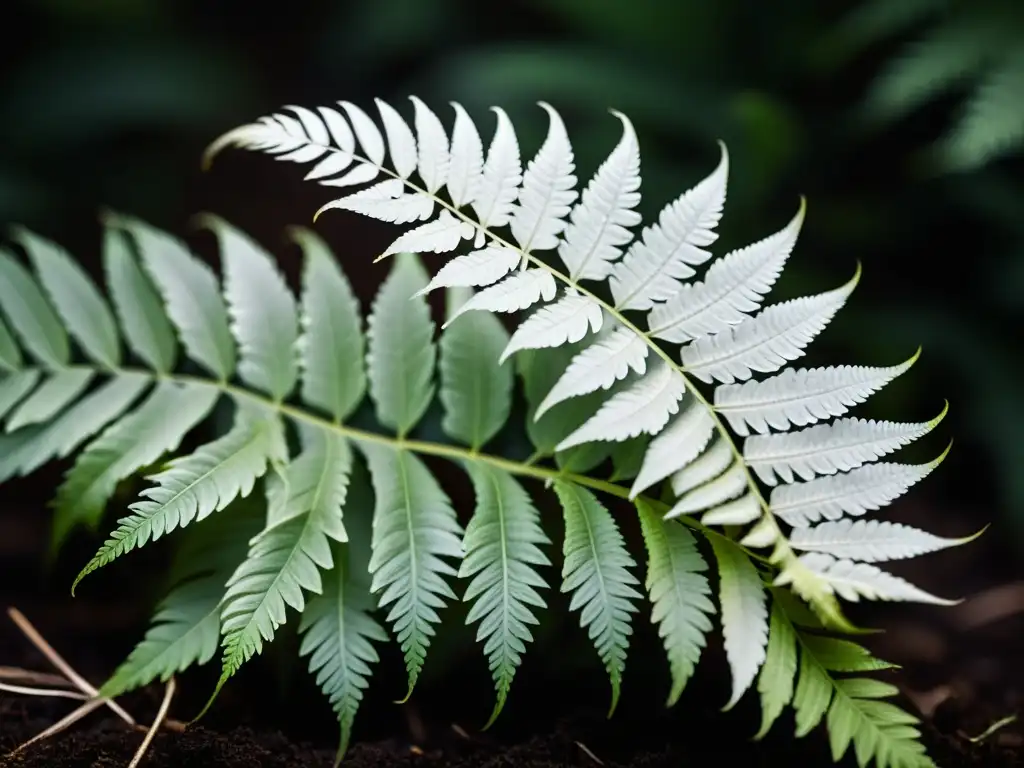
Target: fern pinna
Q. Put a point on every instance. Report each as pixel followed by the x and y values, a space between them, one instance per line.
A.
pixel 613 356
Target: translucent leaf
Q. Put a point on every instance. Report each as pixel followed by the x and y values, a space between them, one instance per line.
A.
pixel 414 529
pixel 263 315
pixel 666 252
pixel 331 346
pixel 476 391
pixel 744 614
pixel 679 592
pixel 194 486
pixel 401 353
pixel 138 305
pixel 600 224
pixel 85 313
pixel 596 570
pixel 191 294
pixel 31 315
pixel 155 427
pixel 502 546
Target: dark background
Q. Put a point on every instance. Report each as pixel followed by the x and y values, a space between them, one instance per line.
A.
pixel 109 103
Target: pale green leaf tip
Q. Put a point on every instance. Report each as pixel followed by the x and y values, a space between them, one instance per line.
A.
pixel 213 697
pixel 222 141
pixel 499 705
pixel 935 422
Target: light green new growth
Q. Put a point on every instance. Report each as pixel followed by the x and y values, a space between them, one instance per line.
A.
pixel 673 394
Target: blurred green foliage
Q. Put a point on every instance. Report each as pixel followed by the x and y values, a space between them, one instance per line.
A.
pixel 111 102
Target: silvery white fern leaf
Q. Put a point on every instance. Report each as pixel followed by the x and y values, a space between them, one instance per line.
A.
pixel 566 321
pixel 475 269
pixel 853 580
pixel 798 397
pixel 868 541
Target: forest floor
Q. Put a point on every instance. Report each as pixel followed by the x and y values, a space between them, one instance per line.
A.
pixel 962 672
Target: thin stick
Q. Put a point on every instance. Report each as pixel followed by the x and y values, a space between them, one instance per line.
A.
pixel 31 677
pixel 44 692
pixel 60 725
pixel 160 716
pixel 47 650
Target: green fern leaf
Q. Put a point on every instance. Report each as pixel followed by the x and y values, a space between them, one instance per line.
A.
pixel 476 390
pixel 31 315
pixel 332 345
pixel 158 425
pixel 74 295
pixel 138 305
pixel 10 354
pixel 775 683
pixel 414 527
pixel 947 55
pixel 190 293
pixel 15 386
pixel 877 728
pixel 288 555
pixel 194 486
pixel 264 319
pixel 993 121
pixel 338 627
pixel 82 420
pixel 596 571
pixel 185 629
pixel 57 392
pixel 679 592
pixel 502 545
pixel 401 353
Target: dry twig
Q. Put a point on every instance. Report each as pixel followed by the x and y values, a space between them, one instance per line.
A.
pixel 63 723
pixel 161 715
pixel 47 650
pixel 54 692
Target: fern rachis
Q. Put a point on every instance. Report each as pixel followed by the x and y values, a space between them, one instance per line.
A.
pixel 596 383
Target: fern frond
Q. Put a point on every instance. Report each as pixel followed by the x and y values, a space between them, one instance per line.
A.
pixel 286 558
pixel 502 546
pixel 596 570
pixel 185 629
pixel 414 528
pixel 476 390
pixel 194 486
pixel 339 633
pixel 679 592
pixel 401 353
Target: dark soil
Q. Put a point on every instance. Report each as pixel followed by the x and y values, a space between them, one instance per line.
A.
pixel 963 670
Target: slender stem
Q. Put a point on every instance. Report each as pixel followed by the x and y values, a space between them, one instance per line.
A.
pixel 66 669
pixel 161 715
